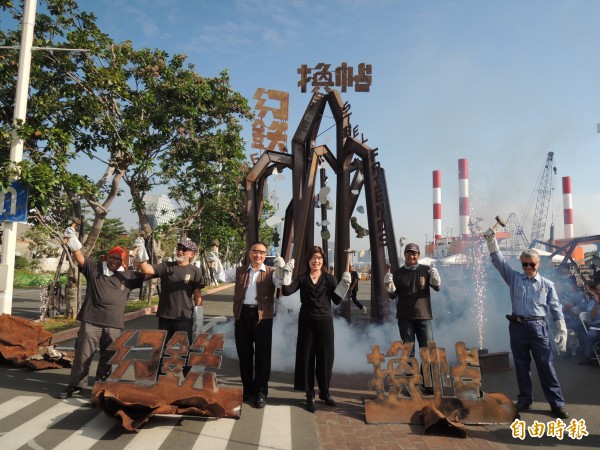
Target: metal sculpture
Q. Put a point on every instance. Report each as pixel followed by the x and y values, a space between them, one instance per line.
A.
pixel 453 391
pixel 147 380
pixel 355 166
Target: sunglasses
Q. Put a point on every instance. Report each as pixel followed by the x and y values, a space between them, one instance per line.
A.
pixel 528 264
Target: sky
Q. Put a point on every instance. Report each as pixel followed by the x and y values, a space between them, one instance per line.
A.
pixel 500 83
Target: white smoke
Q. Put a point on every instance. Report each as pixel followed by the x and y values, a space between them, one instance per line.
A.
pixel 454 319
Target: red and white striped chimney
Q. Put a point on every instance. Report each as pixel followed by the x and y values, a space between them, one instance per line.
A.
pixel 437 205
pixel 463 194
pixel 567 206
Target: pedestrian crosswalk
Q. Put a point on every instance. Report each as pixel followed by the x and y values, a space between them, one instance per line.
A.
pixel 72 424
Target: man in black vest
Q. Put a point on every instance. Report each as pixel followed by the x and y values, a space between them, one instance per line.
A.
pixel 253 309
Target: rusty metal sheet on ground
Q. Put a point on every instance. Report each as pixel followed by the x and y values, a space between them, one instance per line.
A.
pixel 26 344
pixel 454 391
pixel 147 379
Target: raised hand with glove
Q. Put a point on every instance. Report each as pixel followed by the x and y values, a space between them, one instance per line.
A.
pixel 434 277
pixel 288 270
pixel 139 250
pixel 561 335
pixel 73 242
pixel 490 238
pixel 388 281
pixel 342 288
pixel 279 263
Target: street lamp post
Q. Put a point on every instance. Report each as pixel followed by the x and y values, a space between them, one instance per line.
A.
pixel 9 238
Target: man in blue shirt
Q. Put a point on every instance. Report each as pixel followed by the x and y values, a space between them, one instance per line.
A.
pixel 532 297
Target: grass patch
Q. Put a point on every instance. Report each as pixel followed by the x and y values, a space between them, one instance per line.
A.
pixel 26 278
pixel 136 305
pixel 56 324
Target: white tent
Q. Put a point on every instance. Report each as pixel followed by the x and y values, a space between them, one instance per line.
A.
pixel 428 261
pixel 459 258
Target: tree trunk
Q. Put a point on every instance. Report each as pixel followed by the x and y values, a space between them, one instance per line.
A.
pixel 72 308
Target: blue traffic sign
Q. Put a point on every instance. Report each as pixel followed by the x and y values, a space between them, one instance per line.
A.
pixel 14 203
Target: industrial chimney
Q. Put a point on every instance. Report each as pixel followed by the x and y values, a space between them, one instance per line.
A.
pixel 567 207
pixel 437 206
pixel 463 194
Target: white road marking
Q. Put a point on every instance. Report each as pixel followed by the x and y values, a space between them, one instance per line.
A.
pixel 14 404
pixel 215 434
pixel 89 434
pixel 29 430
pixel 276 431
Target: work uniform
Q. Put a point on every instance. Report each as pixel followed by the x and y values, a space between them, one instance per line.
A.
pixel 176 300
pixel 413 305
pixel 101 317
pixel 532 299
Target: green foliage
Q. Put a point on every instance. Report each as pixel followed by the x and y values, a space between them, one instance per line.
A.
pixel 113 233
pixel 118 113
pixel 21 262
pixel 27 278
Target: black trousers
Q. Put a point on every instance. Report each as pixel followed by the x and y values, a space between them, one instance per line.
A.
pixel 253 344
pixel 314 355
pixel 173 325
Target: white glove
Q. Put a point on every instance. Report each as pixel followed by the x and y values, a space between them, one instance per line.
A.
pixel 561 335
pixel 72 240
pixel 142 254
pixel 287 273
pixel 344 285
pixel 278 263
pixel 388 281
pixel 197 321
pixel 434 277
pixel 492 243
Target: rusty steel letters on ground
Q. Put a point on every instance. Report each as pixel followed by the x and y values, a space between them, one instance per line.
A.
pixel 455 392
pixel 147 380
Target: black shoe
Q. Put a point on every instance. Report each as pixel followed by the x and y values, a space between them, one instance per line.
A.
pixel 522 406
pixel 560 412
pixel 70 391
pixel 261 400
pixel 310 403
pixel 327 399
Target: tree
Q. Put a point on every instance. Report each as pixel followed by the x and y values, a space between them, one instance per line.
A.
pixel 140 116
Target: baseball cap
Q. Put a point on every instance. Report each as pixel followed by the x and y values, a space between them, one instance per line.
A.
pixel 188 243
pixel 412 248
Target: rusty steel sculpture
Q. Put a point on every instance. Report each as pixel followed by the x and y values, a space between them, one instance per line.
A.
pixel 355 167
pixel 169 381
pixel 434 391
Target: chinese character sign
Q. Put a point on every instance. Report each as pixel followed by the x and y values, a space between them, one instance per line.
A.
pixel 342 77
pixel 150 376
pixel 270 136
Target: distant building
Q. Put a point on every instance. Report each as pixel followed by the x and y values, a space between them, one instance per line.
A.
pixel 159 210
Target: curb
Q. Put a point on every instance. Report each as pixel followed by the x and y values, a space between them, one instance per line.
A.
pixel 65 335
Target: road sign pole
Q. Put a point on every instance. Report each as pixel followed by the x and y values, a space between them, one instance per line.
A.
pixel 9 238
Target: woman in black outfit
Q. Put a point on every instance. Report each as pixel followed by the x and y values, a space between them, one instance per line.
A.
pixel 314 347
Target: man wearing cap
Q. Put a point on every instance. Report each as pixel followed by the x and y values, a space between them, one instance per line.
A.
pixel 532 297
pixel 411 283
pixel 102 312
pixel 180 287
